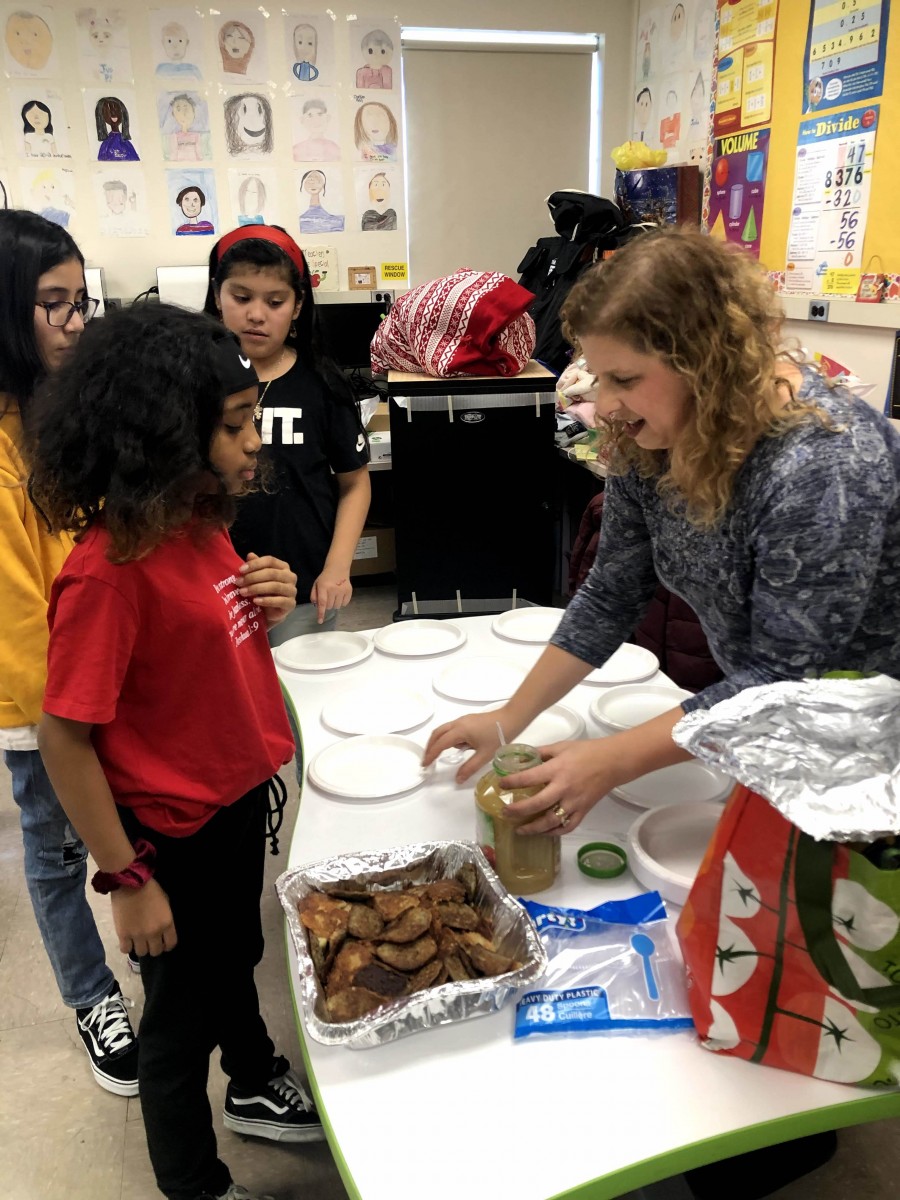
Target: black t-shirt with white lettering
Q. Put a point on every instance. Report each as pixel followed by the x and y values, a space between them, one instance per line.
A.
pixel 307 434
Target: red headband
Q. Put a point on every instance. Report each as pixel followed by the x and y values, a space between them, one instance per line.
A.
pixel 265 233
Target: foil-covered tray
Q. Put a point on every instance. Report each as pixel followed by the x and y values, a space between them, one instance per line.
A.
pixel 424 862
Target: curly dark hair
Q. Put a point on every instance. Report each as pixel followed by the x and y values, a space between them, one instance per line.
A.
pixel 122 435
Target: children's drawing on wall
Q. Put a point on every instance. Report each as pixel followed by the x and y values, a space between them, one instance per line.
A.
pixel 378 197
pixel 249 130
pixel 322 262
pixel 50 191
pixel 646 42
pixel 192 202
pixel 242 46
pixel 176 41
pixel 28 42
pixel 321 207
pixel 111 117
pixel 121 201
pixel 643 115
pixel 310 47
pixel 254 195
pixel 705 34
pixel 674 39
pixel 313 118
pixel 41 121
pixel 375 55
pixel 104 51
pixel 375 132
pixel 184 126
pixel 698 125
pixel 670 122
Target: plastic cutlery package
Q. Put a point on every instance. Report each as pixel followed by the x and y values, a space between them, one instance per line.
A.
pixel 613 968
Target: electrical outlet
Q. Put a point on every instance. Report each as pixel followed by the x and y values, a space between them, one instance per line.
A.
pixel 383 297
pixel 818 310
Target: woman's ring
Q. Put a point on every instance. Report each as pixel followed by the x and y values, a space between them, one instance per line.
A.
pixel 560 812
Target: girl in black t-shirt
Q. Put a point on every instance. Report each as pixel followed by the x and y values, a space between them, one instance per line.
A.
pixel 312 513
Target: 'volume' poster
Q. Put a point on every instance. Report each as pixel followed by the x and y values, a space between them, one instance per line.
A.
pixel 738 189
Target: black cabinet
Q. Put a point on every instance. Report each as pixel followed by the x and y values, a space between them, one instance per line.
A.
pixel 475 489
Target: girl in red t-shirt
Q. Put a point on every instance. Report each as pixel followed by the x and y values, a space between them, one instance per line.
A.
pixel 163 714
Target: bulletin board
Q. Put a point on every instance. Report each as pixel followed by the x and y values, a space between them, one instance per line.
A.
pixel 788 111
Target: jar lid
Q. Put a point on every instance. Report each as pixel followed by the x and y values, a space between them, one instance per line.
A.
pixel 602 860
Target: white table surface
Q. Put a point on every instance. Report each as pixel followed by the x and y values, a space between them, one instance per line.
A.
pixel 478 1113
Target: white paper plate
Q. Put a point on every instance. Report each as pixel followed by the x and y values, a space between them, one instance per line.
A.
pixel 666 847
pixel 555 724
pixel 419 639
pixel 323 651
pixel 368 768
pixel 629 664
pixel 479 680
pixel 685 783
pixel 377 710
pixel 534 625
pixel 634 703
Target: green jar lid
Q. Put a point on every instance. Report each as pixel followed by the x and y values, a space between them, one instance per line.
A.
pixel 602 860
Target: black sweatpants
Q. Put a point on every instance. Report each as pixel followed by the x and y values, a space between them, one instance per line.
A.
pixel 202 994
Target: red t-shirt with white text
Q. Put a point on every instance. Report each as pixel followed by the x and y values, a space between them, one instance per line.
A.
pixel 173 669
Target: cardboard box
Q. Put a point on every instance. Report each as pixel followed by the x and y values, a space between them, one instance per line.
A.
pixel 379 447
pixel 375 552
pixel 381 420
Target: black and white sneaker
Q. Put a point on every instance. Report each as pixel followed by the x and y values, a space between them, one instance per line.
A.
pixel 110 1043
pixel 281 1112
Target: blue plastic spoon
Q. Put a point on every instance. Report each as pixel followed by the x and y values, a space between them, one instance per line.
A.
pixel 646 947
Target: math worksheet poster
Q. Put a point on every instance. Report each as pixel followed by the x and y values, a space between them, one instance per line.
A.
pixel 845 52
pixel 832 180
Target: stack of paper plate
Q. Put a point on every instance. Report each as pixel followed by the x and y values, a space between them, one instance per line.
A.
pixel 634 703
pixel 323 651
pixel 682 784
pixel 479 680
pixel 532 624
pixel 419 639
pixel 377 710
pixel 629 664
pixel 368 768
pixel 666 847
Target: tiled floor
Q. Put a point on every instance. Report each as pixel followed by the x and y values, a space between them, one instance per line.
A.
pixel 62 1138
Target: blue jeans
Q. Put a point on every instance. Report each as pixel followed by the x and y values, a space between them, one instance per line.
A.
pixel 56 874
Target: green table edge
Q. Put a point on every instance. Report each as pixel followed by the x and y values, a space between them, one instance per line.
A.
pixel 869 1107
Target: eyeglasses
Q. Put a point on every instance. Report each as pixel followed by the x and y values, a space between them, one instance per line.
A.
pixel 60 312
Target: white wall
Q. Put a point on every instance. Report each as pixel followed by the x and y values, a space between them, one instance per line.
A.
pixel 130 264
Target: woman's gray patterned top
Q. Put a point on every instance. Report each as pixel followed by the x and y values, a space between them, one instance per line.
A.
pixel 801 576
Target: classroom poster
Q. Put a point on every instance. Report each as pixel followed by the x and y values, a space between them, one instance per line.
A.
pixel 746 64
pixel 738 188
pixel 846 46
pixel 323 267
pixel 39 119
pixel 373 53
pixel 833 175
pixel 29 42
pixel 241 45
pixel 673 70
pixel 120 197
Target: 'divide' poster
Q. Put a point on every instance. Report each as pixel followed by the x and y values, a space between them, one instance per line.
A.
pixel 832 179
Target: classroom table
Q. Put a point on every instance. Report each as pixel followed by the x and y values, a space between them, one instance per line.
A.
pixel 463 1109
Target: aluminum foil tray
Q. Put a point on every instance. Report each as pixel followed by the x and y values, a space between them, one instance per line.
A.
pixel 425 862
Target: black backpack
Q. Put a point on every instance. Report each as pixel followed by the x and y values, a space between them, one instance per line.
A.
pixel 586 225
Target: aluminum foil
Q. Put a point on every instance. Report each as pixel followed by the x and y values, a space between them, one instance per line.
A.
pixel 514 935
pixel 824 752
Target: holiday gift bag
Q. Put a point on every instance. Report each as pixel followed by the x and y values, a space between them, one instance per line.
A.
pixel 792 949
pixel 791 935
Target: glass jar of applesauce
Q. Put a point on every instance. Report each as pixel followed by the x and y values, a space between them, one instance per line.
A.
pixel 526 863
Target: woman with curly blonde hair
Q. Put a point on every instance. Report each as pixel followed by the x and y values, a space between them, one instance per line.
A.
pixel 739 478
